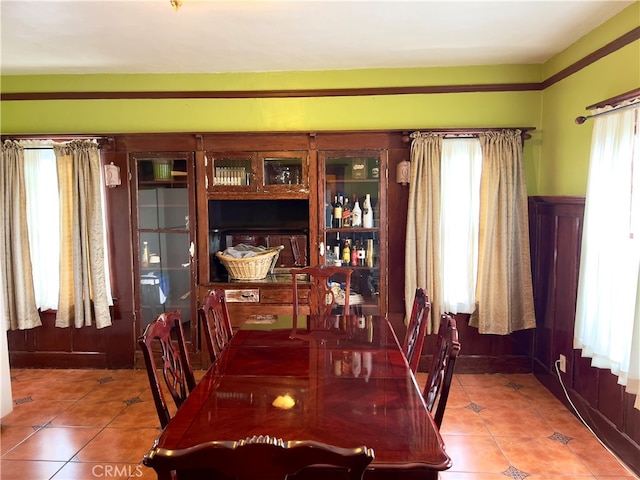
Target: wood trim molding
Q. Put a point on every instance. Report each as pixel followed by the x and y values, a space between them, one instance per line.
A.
pixel 611 47
pixel 617 100
pixel 337 92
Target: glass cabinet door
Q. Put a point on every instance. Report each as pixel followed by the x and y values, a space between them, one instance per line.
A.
pixel 352 197
pixel 239 173
pixel 231 171
pixel 284 170
pixel 165 272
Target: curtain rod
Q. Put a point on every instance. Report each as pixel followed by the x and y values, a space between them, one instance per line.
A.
pixel 580 120
pixel 57 139
pixel 470 132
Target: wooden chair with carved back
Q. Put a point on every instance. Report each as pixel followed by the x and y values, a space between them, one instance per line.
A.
pixel 216 322
pixel 173 359
pixel 322 302
pixel 416 330
pixel 259 457
pixel 436 390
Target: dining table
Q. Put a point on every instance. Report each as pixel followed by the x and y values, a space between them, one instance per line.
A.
pixel 340 380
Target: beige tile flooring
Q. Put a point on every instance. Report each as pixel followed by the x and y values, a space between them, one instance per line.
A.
pixel 97 424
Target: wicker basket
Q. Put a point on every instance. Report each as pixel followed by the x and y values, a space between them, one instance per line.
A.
pixel 251 268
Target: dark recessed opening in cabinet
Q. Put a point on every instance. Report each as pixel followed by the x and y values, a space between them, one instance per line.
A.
pixel 267 223
pixel 260 214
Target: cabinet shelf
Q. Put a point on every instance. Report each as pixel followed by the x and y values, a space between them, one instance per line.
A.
pixel 164 206
pixel 163 183
pixel 351 230
pixel 334 181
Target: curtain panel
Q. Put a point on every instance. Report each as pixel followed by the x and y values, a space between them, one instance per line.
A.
pixel 20 310
pixel 504 293
pixel 83 289
pixel 607 327
pixel 422 251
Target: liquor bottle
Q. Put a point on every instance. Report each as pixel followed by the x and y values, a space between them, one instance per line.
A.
pixel 369 253
pixel 346 252
pixel 367 212
pixel 375 169
pixel 362 255
pixel 356 215
pixel 336 247
pixel 346 213
pixel 145 254
pixel 354 254
pixel 337 212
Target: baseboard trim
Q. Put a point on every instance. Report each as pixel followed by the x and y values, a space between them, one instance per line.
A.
pixel 57 360
pixel 485 364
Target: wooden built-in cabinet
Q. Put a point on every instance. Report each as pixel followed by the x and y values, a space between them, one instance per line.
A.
pixel 353 180
pixel 163 185
pixel 282 173
pixel 269 189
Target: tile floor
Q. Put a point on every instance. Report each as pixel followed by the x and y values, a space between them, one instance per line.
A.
pixel 85 424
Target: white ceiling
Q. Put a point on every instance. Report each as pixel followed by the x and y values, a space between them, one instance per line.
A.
pixel 210 36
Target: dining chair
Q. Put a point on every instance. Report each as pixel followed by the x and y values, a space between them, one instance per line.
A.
pixel 166 330
pixel 414 338
pixel 216 322
pixel 436 390
pixel 259 457
pixel 322 297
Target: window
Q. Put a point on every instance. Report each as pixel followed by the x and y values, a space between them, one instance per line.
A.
pixel 608 307
pixel 43 220
pixel 461 168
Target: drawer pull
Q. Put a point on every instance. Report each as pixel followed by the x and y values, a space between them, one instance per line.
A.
pixel 248 295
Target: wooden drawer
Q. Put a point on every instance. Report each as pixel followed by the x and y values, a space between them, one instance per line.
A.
pixel 243 295
pixel 280 295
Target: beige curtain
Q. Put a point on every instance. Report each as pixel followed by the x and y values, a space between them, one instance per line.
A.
pixel 422 253
pixel 20 311
pixel 504 292
pixel 83 291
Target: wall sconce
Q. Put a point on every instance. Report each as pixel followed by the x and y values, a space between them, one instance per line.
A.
pixel 403 172
pixel 112 175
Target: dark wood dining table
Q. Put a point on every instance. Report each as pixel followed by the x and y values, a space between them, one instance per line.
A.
pixel 346 384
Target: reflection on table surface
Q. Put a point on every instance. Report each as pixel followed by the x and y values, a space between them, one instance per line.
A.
pixel 345 383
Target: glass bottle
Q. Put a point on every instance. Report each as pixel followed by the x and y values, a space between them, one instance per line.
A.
pixel 145 254
pixel 337 212
pixel 369 252
pixel 356 215
pixel 362 255
pixel 354 254
pixel 367 212
pixel 336 247
pixel 346 213
pixel 346 252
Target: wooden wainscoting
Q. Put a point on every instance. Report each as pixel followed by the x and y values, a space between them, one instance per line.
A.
pixel 556 236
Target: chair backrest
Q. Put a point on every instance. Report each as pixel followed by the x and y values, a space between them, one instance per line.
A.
pixel 322 297
pixel 216 323
pixel 414 339
pixel 436 390
pixel 262 457
pixel 166 330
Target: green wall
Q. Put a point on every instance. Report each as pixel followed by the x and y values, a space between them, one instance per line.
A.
pixel 565 147
pixel 272 114
pixel 556 157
